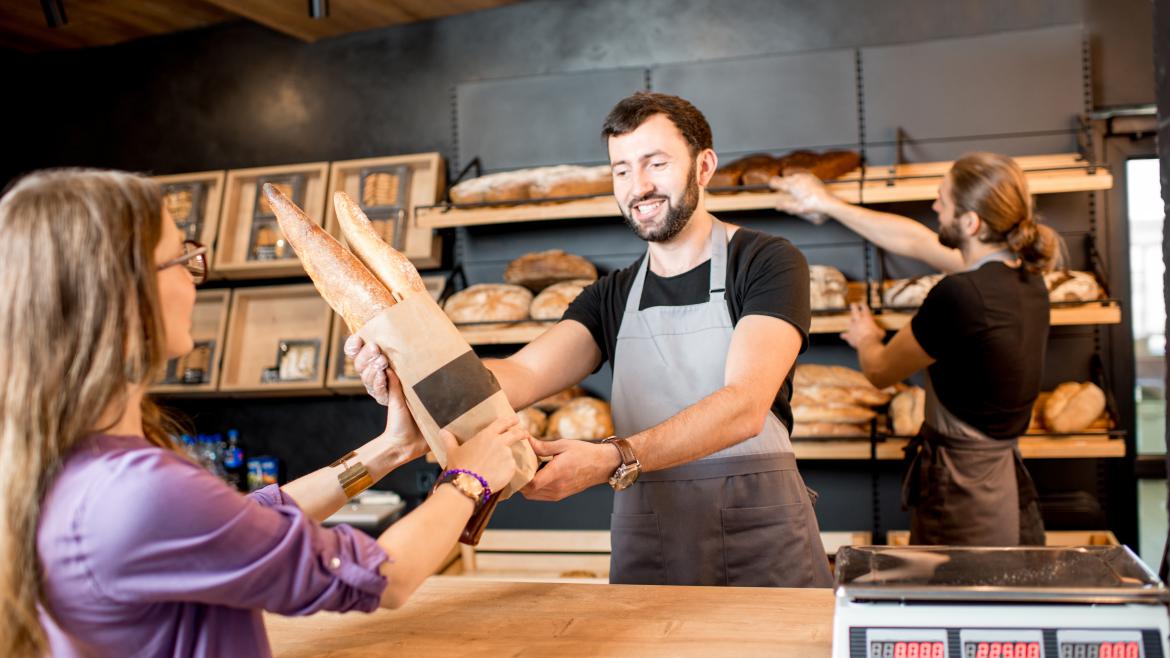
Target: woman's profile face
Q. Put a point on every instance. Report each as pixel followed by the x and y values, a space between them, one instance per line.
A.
pixel 176 290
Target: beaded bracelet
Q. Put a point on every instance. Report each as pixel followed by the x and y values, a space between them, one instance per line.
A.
pixel 450 473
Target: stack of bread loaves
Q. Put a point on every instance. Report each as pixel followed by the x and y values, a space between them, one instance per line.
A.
pixel 535 184
pixel 827 288
pixel 758 169
pixel 833 401
pixel 554 276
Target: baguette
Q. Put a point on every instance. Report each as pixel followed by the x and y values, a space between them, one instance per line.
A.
pixel 345 284
pixel 394 270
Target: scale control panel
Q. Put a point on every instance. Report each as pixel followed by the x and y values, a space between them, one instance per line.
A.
pixel 1004 643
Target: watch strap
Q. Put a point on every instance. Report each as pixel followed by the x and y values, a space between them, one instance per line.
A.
pixel 624 449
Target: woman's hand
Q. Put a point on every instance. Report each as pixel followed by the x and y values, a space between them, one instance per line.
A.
pixel 862 327
pixel 804 195
pixel 489 453
pixel 400 425
pixel 372 364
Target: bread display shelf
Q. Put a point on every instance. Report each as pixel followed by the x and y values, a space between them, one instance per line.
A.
pixel 1047 174
pixel 1076 446
pixel 336 377
pixel 422 177
pixel 241 245
pixel 261 319
pixel 1107 312
pixel 193 201
pixel 208 323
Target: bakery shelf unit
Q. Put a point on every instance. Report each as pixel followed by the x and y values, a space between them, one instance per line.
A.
pixel 340 376
pixel 250 244
pixel 198 372
pixel 1047 174
pixel 277 341
pixel 389 189
pixel 193 202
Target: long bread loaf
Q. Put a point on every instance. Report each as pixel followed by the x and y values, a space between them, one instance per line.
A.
pixel 394 270
pixel 345 284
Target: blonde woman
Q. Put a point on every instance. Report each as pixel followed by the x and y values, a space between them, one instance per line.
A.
pixel 113 544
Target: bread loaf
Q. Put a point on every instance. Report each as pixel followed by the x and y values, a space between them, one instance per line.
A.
pixel 489 302
pixel 824 430
pixel 866 396
pixel 759 168
pixel 570 181
pixel 553 301
pixel 850 414
pixel 581 418
pixel 908 411
pixel 812 374
pixel 534 421
pixel 827 288
pixel 827 166
pixel 558 400
pixel 393 269
pixel 541 269
pixel 731 174
pixel 344 283
pixel 1072 286
pixel 909 293
pixel 1036 424
pixel 1073 407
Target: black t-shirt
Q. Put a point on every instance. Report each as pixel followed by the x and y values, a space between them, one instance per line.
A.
pixel 986 331
pixel 766 275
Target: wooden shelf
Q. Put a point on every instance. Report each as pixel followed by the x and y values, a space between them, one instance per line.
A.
pixel 208 325
pixel 339 376
pixel 202 194
pixel 1047 174
pixel 1083 446
pixel 517 335
pixel 425 178
pixel 261 319
pixel 241 212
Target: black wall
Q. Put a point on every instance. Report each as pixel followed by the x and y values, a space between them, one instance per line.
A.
pixel 238 95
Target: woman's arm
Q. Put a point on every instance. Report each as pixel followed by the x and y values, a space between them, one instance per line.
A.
pixel 805 195
pixel 319 494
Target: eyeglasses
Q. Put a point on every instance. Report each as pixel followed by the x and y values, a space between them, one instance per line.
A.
pixel 194 258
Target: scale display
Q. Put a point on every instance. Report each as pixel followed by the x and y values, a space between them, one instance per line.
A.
pixel 1003 643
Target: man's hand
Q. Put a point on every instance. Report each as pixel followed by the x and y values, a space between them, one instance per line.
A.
pixel 369 361
pixel 575 466
pixel 862 327
pixel 804 195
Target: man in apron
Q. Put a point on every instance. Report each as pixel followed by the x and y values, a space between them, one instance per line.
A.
pixel 980 334
pixel 702 333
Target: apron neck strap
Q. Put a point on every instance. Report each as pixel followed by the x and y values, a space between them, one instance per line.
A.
pixel 1003 256
pixel 718 281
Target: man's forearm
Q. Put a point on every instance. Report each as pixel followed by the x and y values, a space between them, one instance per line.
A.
pixel 870 355
pixel 718 421
pixel 515 381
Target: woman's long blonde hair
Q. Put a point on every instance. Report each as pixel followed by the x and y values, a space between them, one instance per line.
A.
pixel 79 324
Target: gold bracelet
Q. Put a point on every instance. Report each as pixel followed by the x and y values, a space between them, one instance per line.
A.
pixel 354 479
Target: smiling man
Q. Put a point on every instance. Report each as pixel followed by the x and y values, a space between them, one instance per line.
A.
pixel 702 333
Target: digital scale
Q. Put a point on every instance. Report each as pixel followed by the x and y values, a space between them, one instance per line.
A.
pixel 1019 602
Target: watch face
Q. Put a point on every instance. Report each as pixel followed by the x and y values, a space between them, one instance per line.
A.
pixel 469 484
pixel 623 477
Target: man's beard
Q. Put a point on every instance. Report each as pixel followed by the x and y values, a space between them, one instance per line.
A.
pixel 950 235
pixel 676 217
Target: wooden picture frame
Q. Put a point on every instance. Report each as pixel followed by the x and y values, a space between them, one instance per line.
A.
pixel 204 190
pixel 208 325
pixel 261 319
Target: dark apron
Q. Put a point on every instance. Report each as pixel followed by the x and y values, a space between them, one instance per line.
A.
pixel 741 516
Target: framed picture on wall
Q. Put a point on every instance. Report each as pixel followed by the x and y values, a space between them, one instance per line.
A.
pixel 184 203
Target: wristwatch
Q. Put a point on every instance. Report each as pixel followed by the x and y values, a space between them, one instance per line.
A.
pixel 628 471
pixel 466 483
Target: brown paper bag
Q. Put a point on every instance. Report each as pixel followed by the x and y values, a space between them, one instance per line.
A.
pixel 445 384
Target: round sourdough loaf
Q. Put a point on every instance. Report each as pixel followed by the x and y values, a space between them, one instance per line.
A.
pixel 581 418
pixel 558 400
pixel 541 269
pixel 553 301
pixel 534 421
pixel 489 302
pixel 1073 406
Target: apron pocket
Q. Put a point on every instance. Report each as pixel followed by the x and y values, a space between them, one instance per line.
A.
pixel 636 550
pixel 766 546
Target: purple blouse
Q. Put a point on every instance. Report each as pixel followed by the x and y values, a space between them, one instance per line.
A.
pixel 145 553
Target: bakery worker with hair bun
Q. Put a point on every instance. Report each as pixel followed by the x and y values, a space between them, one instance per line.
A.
pixel 980 334
pixel 702 333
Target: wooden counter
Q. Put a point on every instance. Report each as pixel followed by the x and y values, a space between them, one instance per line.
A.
pixel 452 616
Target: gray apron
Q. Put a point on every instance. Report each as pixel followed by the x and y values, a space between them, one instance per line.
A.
pixel 740 516
pixel 965 488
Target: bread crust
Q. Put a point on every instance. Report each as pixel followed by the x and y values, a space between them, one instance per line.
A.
pixel 343 281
